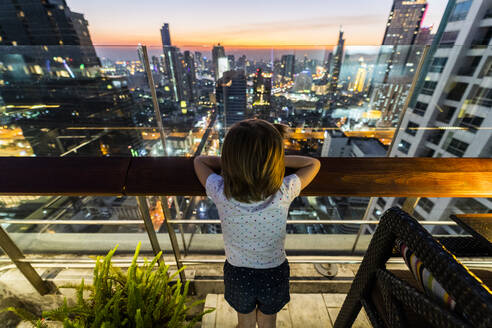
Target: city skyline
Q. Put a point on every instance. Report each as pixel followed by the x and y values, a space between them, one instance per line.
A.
pixel 259 24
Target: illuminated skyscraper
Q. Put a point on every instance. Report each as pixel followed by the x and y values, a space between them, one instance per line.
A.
pixel 288 66
pixel 220 61
pixel 359 82
pixel 54 82
pixel 450 111
pixel 262 92
pixel 47 23
pixel 402 31
pixel 398 59
pixel 200 63
pixel 174 68
pixel 231 97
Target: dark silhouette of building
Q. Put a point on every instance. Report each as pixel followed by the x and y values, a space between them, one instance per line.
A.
pixel 337 67
pixel 231 97
pixel 190 76
pixel 262 93
pixel 288 66
pixel 165 35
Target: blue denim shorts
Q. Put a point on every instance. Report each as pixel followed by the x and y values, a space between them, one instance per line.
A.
pixel 247 288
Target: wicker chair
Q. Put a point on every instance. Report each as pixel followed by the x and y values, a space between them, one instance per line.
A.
pixel 395 300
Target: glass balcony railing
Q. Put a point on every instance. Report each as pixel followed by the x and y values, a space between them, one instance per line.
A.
pixel 72 101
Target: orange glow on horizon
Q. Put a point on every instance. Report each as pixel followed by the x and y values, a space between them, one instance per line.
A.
pixel 238 43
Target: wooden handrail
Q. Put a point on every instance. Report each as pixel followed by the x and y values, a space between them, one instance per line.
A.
pixel 359 177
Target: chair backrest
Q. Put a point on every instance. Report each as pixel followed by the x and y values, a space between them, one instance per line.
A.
pixel 392 302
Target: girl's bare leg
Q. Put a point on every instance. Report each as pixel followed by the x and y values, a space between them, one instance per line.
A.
pixel 266 320
pixel 246 320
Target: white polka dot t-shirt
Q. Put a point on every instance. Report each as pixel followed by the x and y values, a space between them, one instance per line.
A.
pixel 254 233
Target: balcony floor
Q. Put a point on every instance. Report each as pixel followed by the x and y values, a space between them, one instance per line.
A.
pixel 303 310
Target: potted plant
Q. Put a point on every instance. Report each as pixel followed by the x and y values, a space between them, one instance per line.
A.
pixel 144 296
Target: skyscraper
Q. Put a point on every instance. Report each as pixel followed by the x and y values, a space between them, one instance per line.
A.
pixel 54 82
pixel 200 63
pixel 190 76
pixel 452 104
pixel 335 73
pixel 43 23
pixel 288 66
pixel 232 61
pixel 402 30
pixel 231 97
pixel 262 92
pixel 165 35
pixel 398 58
pixel 174 68
pixel 220 61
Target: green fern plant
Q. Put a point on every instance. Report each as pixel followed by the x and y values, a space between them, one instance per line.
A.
pixel 145 297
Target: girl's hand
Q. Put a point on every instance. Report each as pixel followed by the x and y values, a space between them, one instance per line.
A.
pixel 307 168
pixel 204 166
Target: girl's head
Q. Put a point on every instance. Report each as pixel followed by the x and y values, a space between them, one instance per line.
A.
pixel 252 161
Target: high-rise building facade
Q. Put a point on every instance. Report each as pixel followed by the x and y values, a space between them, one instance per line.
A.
pixel 335 73
pixel 47 23
pixel 262 92
pixel 54 82
pixel 190 76
pixel 165 35
pixel 231 97
pixel 452 104
pixel 288 67
pixel 402 30
pixel 220 61
pixel 398 58
pixel 174 67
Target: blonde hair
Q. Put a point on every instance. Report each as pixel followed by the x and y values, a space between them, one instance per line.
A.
pixel 252 161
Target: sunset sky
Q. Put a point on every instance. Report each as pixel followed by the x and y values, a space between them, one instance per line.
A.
pixel 247 23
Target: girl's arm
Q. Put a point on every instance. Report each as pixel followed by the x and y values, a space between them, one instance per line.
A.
pixel 307 168
pixel 204 166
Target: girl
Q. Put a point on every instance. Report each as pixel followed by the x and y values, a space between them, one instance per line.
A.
pixel 253 198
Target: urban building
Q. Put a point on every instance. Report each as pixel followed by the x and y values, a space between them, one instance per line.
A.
pixel 400 52
pixel 166 35
pixel 262 92
pixel 54 83
pixel 231 97
pixel 190 76
pixel 451 105
pixel 220 61
pixel 335 74
pixel 288 67
pixel 174 66
pixel 231 61
pixel 337 144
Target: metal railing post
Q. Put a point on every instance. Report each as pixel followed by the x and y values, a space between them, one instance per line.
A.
pixel 172 238
pixel 155 102
pixel 14 253
pixel 180 227
pixel 149 227
pixel 409 204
